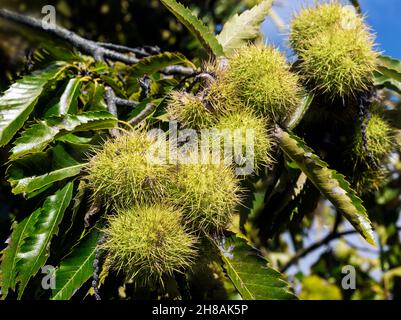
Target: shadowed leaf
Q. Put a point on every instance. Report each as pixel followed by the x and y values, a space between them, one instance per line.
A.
pixel 330 183
pixel 250 273
pixel 76 268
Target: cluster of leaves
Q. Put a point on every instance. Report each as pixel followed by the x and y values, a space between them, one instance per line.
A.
pixel 50 121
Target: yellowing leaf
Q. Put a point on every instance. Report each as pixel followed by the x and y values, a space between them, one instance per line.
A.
pixel 241 29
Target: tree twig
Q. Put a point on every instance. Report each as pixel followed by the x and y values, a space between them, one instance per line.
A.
pixel 94 208
pixel 112 107
pixel 111 101
pixel 304 252
pixel 172 70
pixel 142 52
pixel 84 45
pixel 124 102
pixel 96 267
pixel 98 50
pixel 145 86
pixel 326 240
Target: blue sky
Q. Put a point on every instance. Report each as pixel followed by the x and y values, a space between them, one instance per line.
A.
pixel 382 15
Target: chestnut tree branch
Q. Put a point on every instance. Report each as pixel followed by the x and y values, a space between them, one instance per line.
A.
pixel 112 107
pixel 124 102
pixel 142 51
pixel 84 45
pixel 305 251
pixel 98 50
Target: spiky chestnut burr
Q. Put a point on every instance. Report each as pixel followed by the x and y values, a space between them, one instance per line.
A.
pixel 313 20
pixel 148 242
pixel 339 63
pixel 248 137
pixel 261 78
pixel 121 174
pixel 189 110
pixel 335 50
pixel 207 193
pixel 377 144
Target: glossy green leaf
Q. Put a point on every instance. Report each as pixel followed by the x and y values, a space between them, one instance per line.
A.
pixel 388 73
pixel 94 100
pixel 35 249
pixel 250 273
pixel 76 268
pixel 62 158
pixel 300 111
pixel 68 102
pixel 241 29
pixel 383 81
pixel 330 183
pixel 193 24
pixel 391 64
pixel 29 247
pixel 19 100
pixel 74 139
pixel 31 184
pixel 37 137
pixel 9 258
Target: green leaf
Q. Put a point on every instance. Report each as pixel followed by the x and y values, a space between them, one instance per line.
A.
pixel 152 64
pixel 391 64
pixel 9 255
pixel 75 140
pixel 94 99
pixel 301 111
pixel 55 51
pixel 330 183
pixel 193 24
pixel 62 158
pixel 249 271
pixel 30 241
pixel 31 184
pixel 35 249
pixel 77 201
pixel 68 102
pixel 380 80
pixel 241 29
pixel 19 100
pixel 37 137
pixel 77 268
pixel 388 73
